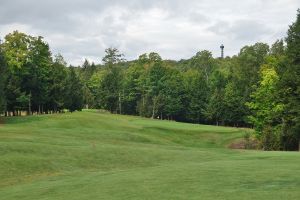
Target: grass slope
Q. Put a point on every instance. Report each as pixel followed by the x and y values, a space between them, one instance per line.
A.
pixel 90 155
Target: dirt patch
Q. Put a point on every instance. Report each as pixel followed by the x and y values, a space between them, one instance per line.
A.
pixel 239 144
pixel 244 144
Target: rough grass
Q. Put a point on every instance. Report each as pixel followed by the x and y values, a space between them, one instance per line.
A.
pixel 90 155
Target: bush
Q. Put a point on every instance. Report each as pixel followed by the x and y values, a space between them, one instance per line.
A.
pixel 270 139
pixel 250 141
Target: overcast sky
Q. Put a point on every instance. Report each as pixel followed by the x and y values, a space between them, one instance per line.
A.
pixel 175 29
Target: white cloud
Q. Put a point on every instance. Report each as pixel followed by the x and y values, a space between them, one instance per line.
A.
pixel 176 29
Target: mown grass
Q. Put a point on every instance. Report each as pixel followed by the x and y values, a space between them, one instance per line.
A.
pixel 91 155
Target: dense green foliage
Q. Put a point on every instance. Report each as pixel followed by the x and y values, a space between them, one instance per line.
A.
pixel 34 82
pixel 92 155
pixel 259 87
pixel 2 81
pixel 290 87
pixel 275 102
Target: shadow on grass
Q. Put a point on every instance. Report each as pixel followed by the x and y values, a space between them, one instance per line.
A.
pixel 22 119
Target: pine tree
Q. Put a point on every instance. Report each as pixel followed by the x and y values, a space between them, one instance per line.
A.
pixel 58 86
pixel 111 85
pixel 74 95
pixel 2 81
pixel 290 88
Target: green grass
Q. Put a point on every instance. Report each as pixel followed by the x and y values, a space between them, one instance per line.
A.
pixel 89 155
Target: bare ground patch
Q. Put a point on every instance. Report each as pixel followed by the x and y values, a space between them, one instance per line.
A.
pixel 251 143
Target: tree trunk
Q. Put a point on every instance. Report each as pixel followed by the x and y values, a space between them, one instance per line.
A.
pixel 206 75
pixel 143 101
pixel 120 103
pixel 153 109
pixel 29 104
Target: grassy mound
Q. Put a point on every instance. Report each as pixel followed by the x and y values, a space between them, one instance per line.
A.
pixel 90 155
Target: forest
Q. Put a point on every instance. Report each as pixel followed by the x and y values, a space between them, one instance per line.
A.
pixel 258 88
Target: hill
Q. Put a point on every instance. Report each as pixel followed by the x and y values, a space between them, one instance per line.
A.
pixel 91 155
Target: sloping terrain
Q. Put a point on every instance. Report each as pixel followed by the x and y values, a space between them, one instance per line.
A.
pixel 91 155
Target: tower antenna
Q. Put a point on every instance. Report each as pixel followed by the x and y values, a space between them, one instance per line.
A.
pixel 222 50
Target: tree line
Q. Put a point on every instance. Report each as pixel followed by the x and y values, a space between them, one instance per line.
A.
pixel 259 87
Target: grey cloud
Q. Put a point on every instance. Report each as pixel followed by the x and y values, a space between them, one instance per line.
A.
pixel 248 30
pixel 220 27
pixel 198 17
pixel 175 28
pixel 243 30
